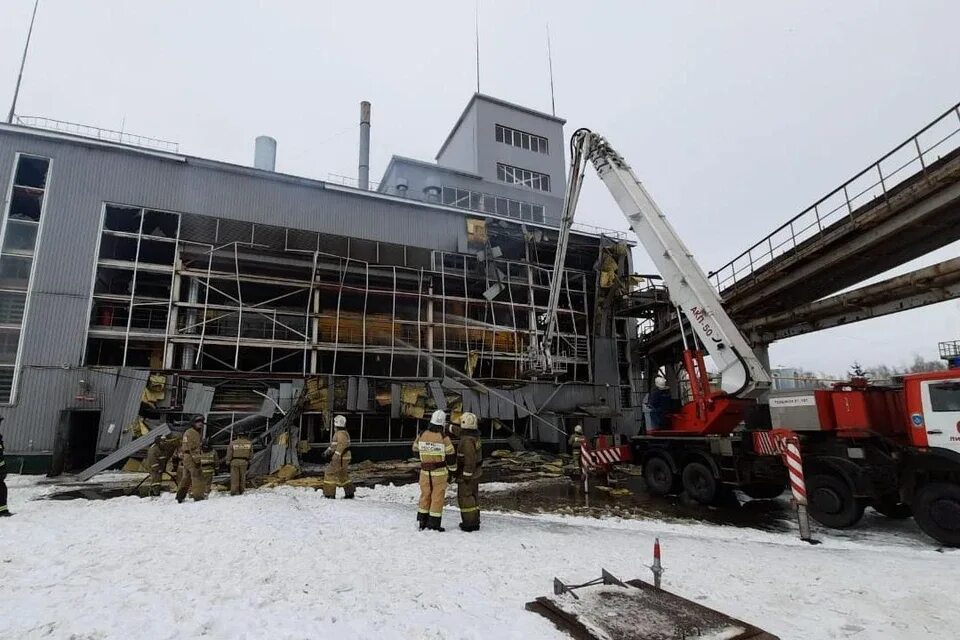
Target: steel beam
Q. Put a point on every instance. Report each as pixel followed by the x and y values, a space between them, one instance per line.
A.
pixel 929 285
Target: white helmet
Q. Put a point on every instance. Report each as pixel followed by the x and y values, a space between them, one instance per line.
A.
pixel 578 429
pixel 340 422
pixel 660 383
pixel 438 418
pixel 468 420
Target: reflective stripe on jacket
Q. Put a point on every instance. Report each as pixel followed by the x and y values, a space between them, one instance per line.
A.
pixel 437 455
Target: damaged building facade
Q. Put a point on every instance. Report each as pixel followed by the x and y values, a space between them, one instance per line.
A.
pixel 138 281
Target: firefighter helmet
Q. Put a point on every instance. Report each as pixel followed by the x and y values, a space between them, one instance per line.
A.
pixel 438 418
pixel 468 421
pixel 340 422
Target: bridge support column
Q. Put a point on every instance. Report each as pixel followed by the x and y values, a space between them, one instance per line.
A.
pixel 762 351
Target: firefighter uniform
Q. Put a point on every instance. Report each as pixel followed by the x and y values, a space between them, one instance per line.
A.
pixel 4 511
pixel 191 480
pixel 469 470
pixel 437 461
pixel 336 473
pixel 155 463
pixel 575 441
pixel 239 453
pixel 208 467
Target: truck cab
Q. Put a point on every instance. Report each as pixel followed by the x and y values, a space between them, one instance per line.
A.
pixel 930 468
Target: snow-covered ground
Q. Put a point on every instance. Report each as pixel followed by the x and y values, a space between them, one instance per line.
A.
pixel 285 563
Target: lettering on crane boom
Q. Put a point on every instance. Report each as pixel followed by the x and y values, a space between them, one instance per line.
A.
pixel 701 317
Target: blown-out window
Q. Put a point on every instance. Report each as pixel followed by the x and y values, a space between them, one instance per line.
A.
pixel 20 235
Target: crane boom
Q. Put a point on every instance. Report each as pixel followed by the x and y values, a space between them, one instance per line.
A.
pixel 742 374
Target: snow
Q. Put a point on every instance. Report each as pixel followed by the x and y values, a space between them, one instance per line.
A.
pixel 286 563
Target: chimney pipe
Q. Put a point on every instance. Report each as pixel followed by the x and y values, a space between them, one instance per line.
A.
pixel 364 169
pixel 265 153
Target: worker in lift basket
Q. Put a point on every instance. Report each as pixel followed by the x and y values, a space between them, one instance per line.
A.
pixel 4 511
pixel 336 474
pixel 192 480
pixel 660 403
pixel 575 441
pixel 438 460
pixel 469 470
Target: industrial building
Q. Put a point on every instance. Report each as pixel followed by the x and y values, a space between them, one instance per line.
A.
pixel 135 279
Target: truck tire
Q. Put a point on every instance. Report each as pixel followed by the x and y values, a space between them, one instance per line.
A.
pixel 891 507
pixel 659 476
pixel 936 509
pixel 832 502
pixel 699 483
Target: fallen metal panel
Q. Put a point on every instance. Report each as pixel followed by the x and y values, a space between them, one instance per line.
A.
pixel 453 385
pixel 637 611
pixel 520 407
pixel 363 395
pixel 123 404
pixel 137 445
pixel 352 393
pixel 269 405
pixel 437 391
pixel 395 400
pixel 198 399
pixel 484 404
pixel 286 396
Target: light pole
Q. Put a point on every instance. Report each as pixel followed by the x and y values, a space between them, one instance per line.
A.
pixel 23 60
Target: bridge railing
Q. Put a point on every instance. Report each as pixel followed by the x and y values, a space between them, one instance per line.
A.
pixel 910 158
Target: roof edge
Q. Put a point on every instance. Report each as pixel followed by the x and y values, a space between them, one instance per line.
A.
pixel 502 103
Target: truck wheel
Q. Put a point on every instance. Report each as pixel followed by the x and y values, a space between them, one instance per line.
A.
pixel 699 483
pixel 891 507
pixel 937 510
pixel 659 476
pixel 763 490
pixel 832 502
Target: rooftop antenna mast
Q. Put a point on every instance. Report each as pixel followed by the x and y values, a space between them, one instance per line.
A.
pixel 476 22
pixel 553 104
pixel 23 60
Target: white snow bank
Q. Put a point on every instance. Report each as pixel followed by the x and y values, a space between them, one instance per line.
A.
pixel 286 563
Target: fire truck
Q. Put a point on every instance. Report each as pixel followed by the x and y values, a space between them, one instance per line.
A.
pixel 893 448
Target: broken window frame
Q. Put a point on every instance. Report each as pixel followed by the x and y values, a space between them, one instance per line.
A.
pixel 10 371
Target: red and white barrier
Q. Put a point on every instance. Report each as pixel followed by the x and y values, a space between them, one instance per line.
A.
pixel 785 443
pixel 795 469
pixel 592 458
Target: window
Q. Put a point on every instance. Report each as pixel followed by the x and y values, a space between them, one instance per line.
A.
pixel 521 139
pixel 523 177
pixel 475 201
pixel 133 286
pixel 945 396
pixel 21 228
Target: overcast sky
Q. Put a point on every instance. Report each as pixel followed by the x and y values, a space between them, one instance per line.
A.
pixel 736 115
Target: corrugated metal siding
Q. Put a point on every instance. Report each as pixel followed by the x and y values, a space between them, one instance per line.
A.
pixel 83 177
pixel 31 423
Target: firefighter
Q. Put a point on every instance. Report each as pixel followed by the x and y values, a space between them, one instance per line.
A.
pixel 208 466
pixel 437 461
pixel 575 441
pixel 336 474
pixel 469 470
pixel 154 465
pixel 4 511
pixel 239 453
pixel 660 403
pixel 191 480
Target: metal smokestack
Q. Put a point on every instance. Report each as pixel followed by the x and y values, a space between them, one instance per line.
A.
pixel 364 169
pixel 265 153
